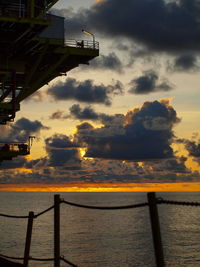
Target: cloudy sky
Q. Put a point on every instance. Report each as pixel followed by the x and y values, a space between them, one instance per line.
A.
pixel 131 117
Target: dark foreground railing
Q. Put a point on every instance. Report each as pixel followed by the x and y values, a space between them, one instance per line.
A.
pixel 154 218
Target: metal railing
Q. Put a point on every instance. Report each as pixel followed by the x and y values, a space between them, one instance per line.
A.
pixel 152 203
pixel 82 44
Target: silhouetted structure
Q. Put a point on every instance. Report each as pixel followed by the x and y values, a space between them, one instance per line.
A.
pixel 33 51
pixel 9 151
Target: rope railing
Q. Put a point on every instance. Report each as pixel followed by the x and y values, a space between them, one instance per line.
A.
pixel 68 262
pixel 152 204
pixel 13 216
pixel 132 206
pixel 43 212
pixel 38 259
pixel 22 258
pixel 26 216
pixel 11 258
pixel 105 207
pixel 41 259
pixel 182 203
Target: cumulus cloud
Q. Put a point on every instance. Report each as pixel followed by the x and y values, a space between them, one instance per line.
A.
pixel 109 62
pixel 85 91
pixel 62 152
pixel 185 63
pixel 145 133
pixel 88 113
pixel 193 147
pixel 58 115
pixel 172 165
pixel 19 162
pixel 22 129
pixel 149 82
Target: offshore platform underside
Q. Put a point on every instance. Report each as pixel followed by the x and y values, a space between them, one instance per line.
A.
pixel 33 51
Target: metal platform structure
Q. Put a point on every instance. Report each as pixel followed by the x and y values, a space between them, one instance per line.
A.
pixel 8 150
pixel 33 51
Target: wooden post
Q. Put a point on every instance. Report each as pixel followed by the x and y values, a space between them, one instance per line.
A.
pixel 155 227
pixel 56 230
pixel 28 238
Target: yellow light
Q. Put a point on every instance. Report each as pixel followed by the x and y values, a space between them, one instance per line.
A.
pixel 82 151
pixel 105 187
pixel 25 170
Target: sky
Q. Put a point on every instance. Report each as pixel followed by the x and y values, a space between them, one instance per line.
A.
pixel 130 119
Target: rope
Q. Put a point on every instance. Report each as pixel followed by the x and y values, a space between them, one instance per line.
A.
pixel 172 202
pixel 13 216
pixel 30 258
pixel 9 257
pixel 159 201
pixel 105 208
pixel 44 211
pixel 41 259
pixel 68 262
pixel 26 217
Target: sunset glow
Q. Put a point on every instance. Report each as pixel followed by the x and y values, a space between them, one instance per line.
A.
pixel 131 187
pixel 120 113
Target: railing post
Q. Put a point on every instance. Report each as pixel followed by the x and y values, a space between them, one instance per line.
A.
pixel 56 230
pixel 28 238
pixel 155 227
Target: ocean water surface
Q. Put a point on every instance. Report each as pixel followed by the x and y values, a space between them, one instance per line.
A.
pixel 117 238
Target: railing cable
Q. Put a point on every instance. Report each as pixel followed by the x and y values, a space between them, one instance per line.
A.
pixel 104 207
pixel 9 257
pixel 44 211
pixel 172 202
pixel 159 201
pixel 68 262
pixel 13 216
pixel 26 217
pixel 41 259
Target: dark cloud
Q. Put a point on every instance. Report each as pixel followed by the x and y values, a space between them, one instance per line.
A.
pixel 185 63
pixel 147 83
pixel 193 147
pixel 22 129
pixel 88 113
pixel 109 62
pixel 84 127
pixel 85 91
pixel 172 165
pixel 144 134
pixel 60 141
pixel 57 115
pixel 62 152
pixel 160 25
pixel 19 162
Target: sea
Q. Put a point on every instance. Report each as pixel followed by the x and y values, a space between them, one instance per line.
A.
pixel 101 238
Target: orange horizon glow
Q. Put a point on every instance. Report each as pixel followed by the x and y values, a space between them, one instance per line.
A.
pixel 119 187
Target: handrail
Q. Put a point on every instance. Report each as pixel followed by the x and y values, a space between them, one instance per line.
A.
pixel 82 44
pixel 105 207
pixel 139 205
pixel 152 203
